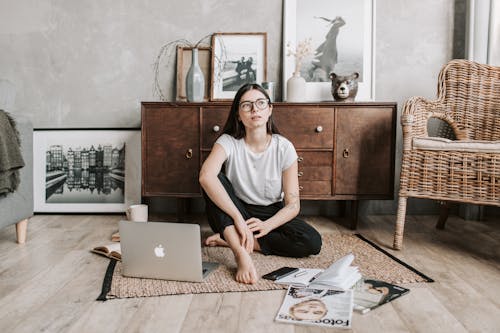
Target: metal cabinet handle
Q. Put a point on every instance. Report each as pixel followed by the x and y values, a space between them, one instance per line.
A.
pixel 301 173
pixel 300 159
pixel 216 128
pixel 345 153
pixel 301 187
pixel 319 129
pixel 189 153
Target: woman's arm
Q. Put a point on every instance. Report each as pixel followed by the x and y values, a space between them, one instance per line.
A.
pixel 210 182
pixel 288 212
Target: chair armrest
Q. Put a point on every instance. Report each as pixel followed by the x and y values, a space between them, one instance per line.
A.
pixel 415 117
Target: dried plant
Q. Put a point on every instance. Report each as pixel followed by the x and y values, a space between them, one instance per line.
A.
pixel 166 52
pixel 303 49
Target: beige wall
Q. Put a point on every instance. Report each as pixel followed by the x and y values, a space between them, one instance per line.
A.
pixel 89 63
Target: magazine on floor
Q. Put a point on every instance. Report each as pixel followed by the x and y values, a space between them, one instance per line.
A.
pixel 317 307
pixel 339 276
pixel 373 293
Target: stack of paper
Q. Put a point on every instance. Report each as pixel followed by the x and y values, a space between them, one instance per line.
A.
pixel 339 276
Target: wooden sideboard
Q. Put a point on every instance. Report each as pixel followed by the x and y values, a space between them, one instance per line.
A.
pixel 346 150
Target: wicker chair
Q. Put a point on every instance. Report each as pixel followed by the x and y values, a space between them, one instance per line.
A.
pixel 465 169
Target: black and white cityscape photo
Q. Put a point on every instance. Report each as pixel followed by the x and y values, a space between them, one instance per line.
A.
pixel 92 173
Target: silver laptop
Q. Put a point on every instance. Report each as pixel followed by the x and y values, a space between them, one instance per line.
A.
pixel 163 250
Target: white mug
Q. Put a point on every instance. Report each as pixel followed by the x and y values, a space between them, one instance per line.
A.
pixel 137 213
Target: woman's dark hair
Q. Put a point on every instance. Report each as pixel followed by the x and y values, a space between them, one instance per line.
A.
pixel 234 126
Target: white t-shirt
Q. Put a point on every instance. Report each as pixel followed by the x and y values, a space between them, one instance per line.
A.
pixel 257 177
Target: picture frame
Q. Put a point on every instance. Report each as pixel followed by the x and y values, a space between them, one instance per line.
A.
pixel 86 170
pixel 237 58
pixel 351 40
pixel 184 58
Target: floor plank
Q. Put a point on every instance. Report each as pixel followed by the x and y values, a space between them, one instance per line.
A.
pixel 148 318
pixel 259 310
pixel 427 313
pixel 213 313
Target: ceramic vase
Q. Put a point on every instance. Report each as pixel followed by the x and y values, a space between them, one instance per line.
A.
pixel 195 81
pixel 296 88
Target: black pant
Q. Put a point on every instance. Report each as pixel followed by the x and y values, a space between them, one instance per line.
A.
pixel 295 238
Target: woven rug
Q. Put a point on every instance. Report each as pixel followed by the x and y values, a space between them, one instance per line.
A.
pixel 373 262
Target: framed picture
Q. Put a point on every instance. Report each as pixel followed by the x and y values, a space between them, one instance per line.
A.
pixel 184 57
pixel 86 170
pixel 237 58
pixel 341 35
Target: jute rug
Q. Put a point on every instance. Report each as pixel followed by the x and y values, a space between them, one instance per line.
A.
pixel 372 261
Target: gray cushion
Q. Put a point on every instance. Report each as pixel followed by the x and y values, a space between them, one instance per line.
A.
pixel 473 146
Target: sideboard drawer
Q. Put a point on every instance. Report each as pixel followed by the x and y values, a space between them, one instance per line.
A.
pixel 212 124
pixel 315 173
pixel 314 158
pixel 306 127
pixel 314 165
pixel 315 187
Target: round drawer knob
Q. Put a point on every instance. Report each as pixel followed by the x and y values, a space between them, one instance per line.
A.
pixel 189 153
pixel 300 159
pixel 301 187
pixel 319 129
pixel 216 128
pixel 301 173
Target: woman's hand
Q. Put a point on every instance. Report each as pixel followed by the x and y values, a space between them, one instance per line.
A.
pixel 246 235
pixel 257 225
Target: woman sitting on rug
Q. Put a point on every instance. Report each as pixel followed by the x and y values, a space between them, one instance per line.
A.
pixel 254 204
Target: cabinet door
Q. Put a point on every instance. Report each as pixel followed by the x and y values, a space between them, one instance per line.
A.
pixel 171 152
pixel 364 152
pixel 213 120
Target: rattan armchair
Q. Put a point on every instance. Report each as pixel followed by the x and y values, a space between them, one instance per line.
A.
pixel 465 169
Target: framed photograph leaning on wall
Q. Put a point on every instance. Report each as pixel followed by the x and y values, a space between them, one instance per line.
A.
pixel 341 34
pixel 86 170
pixel 237 58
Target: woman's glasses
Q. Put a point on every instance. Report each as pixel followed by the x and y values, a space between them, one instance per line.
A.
pixel 259 104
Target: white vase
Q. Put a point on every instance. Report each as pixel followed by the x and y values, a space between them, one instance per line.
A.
pixel 195 81
pixel 296 88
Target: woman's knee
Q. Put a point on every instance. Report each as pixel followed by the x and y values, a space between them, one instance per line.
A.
pixel 314 242
pixel 309 239
pixel 309 244
pixel 305 245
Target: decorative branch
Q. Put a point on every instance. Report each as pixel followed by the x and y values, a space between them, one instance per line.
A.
pixel 166 51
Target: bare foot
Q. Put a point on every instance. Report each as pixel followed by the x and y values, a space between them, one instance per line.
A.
pixel 246 272
pixel 215 240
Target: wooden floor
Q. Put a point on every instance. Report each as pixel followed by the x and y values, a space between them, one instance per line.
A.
pixel 50 284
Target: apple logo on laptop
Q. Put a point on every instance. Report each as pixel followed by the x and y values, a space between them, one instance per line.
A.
pixel 159 251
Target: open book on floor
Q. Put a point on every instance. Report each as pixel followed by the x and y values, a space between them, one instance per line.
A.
pixel 373 293
pixel 339 276
pixel 318 307
pixel 115 237
pixel 112 251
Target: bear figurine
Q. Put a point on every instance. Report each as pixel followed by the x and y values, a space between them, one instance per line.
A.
pixel 344 88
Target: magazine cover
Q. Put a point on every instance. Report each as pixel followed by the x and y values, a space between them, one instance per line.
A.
pixel 373 293
pixel 328 308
